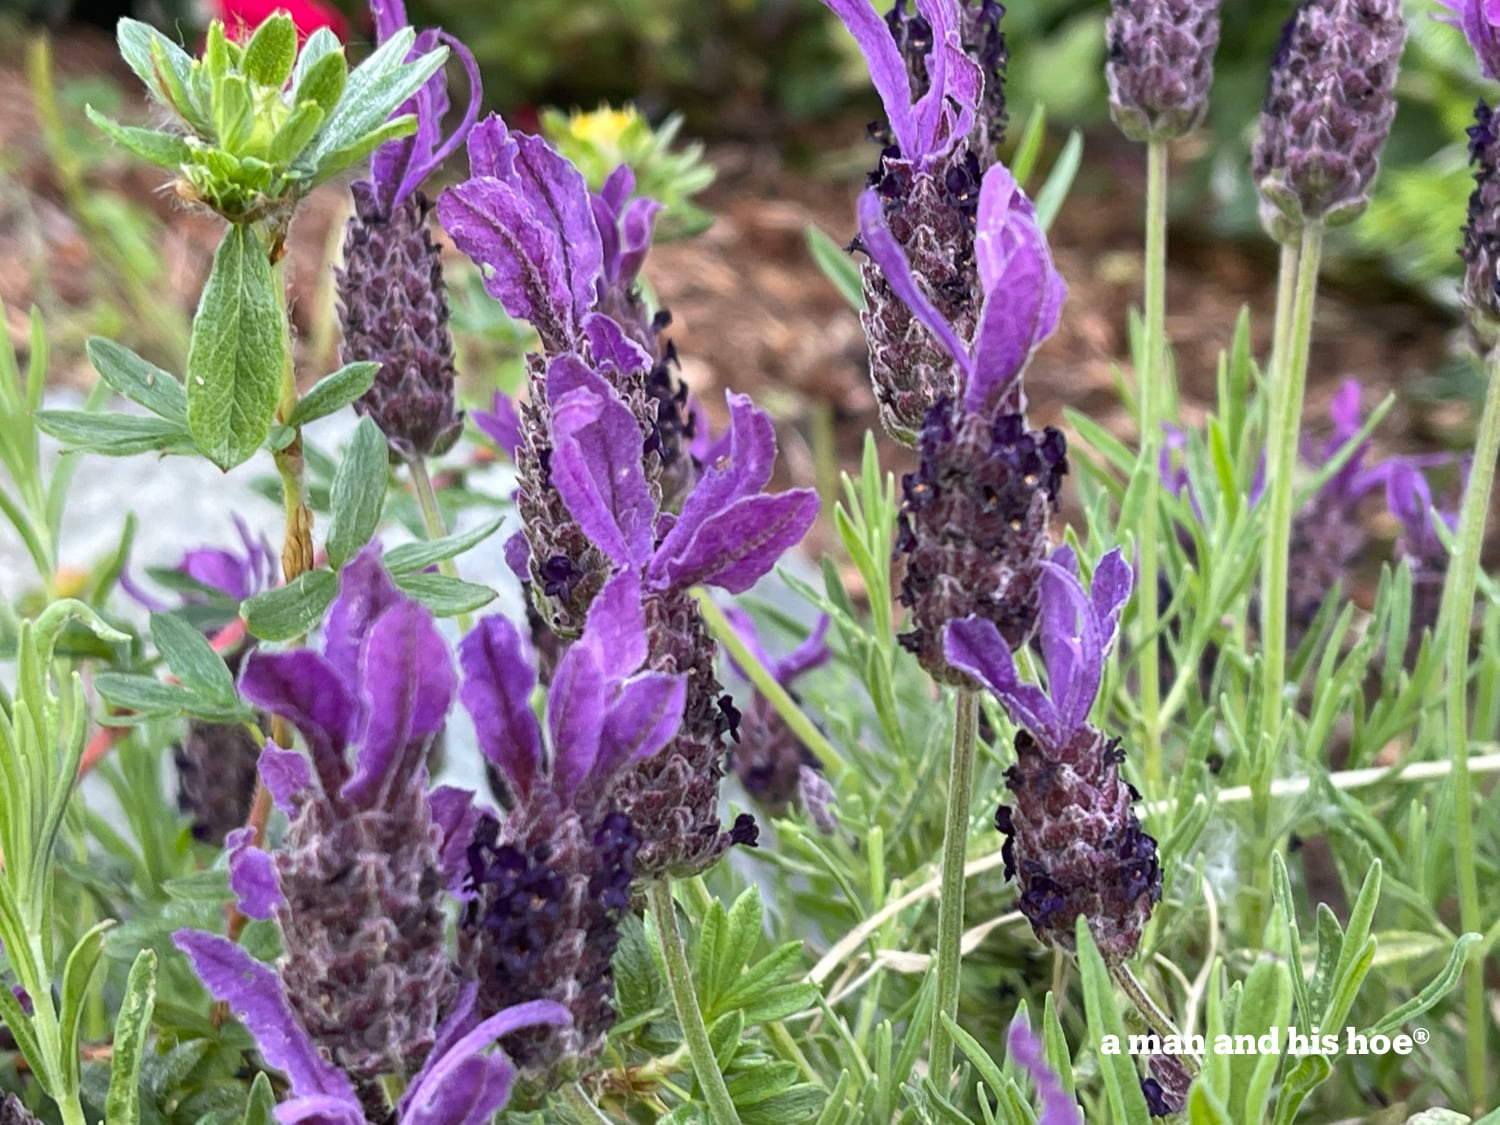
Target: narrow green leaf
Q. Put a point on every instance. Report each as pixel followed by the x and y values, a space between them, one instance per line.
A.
pixel 271 52
pixel 445 596
pixel 290 611
pixel 1205 1109
pixel 1120 1078
pixel 234 114
pixel 1440 986
pixel 122 1107
pixel 1330 946
pixel 191 658
pixel 1030 145
pixel 358 493
pixel 425 553
pixel 78 973
pixel 353 153
pixel 1310 1072
pixel 295 132
pixel 983 1061
pixel 145 49
pixel 1265 1005
pixel 149 697
pixel 261 1108
pixel 333 392
pixel 837 266
pixel 373 91
pixel 320 44
pixel 238 352
pixel 1360 917
pixel 143 383
pixel 740 936
pixel 165 150
pixel 1054 192
pixel 113 435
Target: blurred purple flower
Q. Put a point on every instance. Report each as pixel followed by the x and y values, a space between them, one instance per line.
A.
pixel 1073 842
pixel 1025 1048
pixel 458 1084
pixel 234 575
pixel 1479 20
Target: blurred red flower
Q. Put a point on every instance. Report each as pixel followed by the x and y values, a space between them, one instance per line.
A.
pixel 242 17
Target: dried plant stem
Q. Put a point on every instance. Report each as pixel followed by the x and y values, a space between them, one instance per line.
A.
pixel 1150 389
pixel 685 1000
pixel 585 1112
pixel 1150 1011
pixel 1287 384
pixel 1456 614
pixel 951 898
pixel 432 520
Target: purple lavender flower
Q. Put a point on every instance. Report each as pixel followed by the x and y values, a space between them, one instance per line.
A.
pixel 776 767
pixel 13 1111
pixel 458 1085
pixel 1329 106
pixel 728 534
pixel 1409 497
pixel 975 512
pixel 978 23
pixel 1057 1107
pixel 548 886
pixel 224 575
pixel 1072 839
pixel 1480 22
pixel 1481 245
pixel 393 299
pixel 358 883
pixel 1161 65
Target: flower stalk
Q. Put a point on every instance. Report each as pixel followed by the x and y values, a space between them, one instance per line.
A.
pixel 685 1001
pixel 1151 391
pixel 951 897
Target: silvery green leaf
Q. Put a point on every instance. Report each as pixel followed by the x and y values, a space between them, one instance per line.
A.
pixel 350 155
pixel 420 555
pixel 238 352
pixel 114 435
pixel 334 391
pixel 296 131
pixel 261 1107
pixel 165 150
pixel 446 597
pixel 79 971
pixel 271 52
pixel 358 493
pixel 291 610
pixel 374 90
pixel 122 1107
pixel 320 78
pixel 143 383
pixel 191 658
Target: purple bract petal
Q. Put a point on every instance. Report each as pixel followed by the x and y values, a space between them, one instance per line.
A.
pixel 611 348
pixel 454 814
pixel 286 776
pixel 575 716
pixel 1113 581
pixel 502 425
pixel 887 68
pixel 1071 645
pixel 254 994
pixel 643 719
pixel 1057 1107
pixel 252 875
pixel 498 681
pixel 975 646
pixel 320 1109
pixel 616 626
pixel 306 690
pixel 366 592
pixel 737 547
pixel 1480 22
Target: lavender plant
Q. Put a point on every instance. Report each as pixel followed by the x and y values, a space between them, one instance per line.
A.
pixel 1152 662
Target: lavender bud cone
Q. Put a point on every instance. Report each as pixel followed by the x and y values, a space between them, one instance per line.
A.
pixel 549 893
pixel 1161 65
pixel 216 778
pixel 14 1112
pixel 672 798
pixel 1329 106
pixel 366 970
pixel 1075 846
pixel 973 527
pixel 394 311
pixel 1481 247
pixel 933 220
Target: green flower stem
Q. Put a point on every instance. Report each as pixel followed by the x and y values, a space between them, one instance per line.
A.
pixel 585 1112
pixel 685 1000
pixel 432 520
pixel 1287 384
pixel 765 683
pixel 1150 390
pixel 951 897
pixel 1456 615
pixel 1150 1011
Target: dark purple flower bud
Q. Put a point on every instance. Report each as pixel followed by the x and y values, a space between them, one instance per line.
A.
pixel 23 998
pixel 1329 106
pixel 548 886
pixel 978 23
pixel 1480 22
pixel 361 870
pixel 1161 65
pixel 14 1112
pixel 1025 1048
pixel 1167 1085
pixel 973 528
pixel 776 767
pixel 1073 842
pixel 458 1084
pixel 394 311
pixel 216 778
pixel 1481 247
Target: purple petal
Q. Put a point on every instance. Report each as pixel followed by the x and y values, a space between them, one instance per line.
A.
pixel 286 776
pixel 1072 648
pixel 220 570
pixel 643 718
pixel 492 149
pixel 611 348
pixel 498 681
pixel 635 236
pixel 944 115
pixel 320 1110
pixel 575 717
pixel 616 626
pixel 307 691
pixel 365 593
pixel 390 17
pixel 975 646
pixel 744 625
pixel 502 425
pixel 454 814
pixel 1113 580
pixel 617 188
pixel 254 993
pixel 881 245
pixel 608 222
pixel 409 682
pixel 465 1087
pixel 518 556
pixel 811 653
pixel 1057 1107
pixel 596 467
pixel 736 548
pixel 887 68
pixel 252 875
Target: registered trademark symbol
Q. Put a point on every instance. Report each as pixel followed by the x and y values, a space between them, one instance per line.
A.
pixel 1420 1035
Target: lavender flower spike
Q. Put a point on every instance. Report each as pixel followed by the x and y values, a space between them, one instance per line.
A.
pixel 1072 839
pixel 1480 22
pixel 1161 65
pixel 1481 245
pixel 458 1085
pixel 1329 106
pixel 360 873
pixel 549 886
pixel 393 300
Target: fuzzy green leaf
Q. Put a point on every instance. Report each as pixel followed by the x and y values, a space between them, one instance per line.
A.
pixel 143 383
pixel 420 555
pixel 1440 986
pixel 334 391
pixel 1310 1072
pixel 358 493
pixel 1120 1077
pixel 290 611
pixel 122 1107
pixel 165 150
pixel 149 697
pixel 78 973
pixel 192 659
pixel 238 352
pixel 373 91
pixel 114 435
pixel 271 52
pixel 261 1108
pixel 837 266
pixel 446 597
